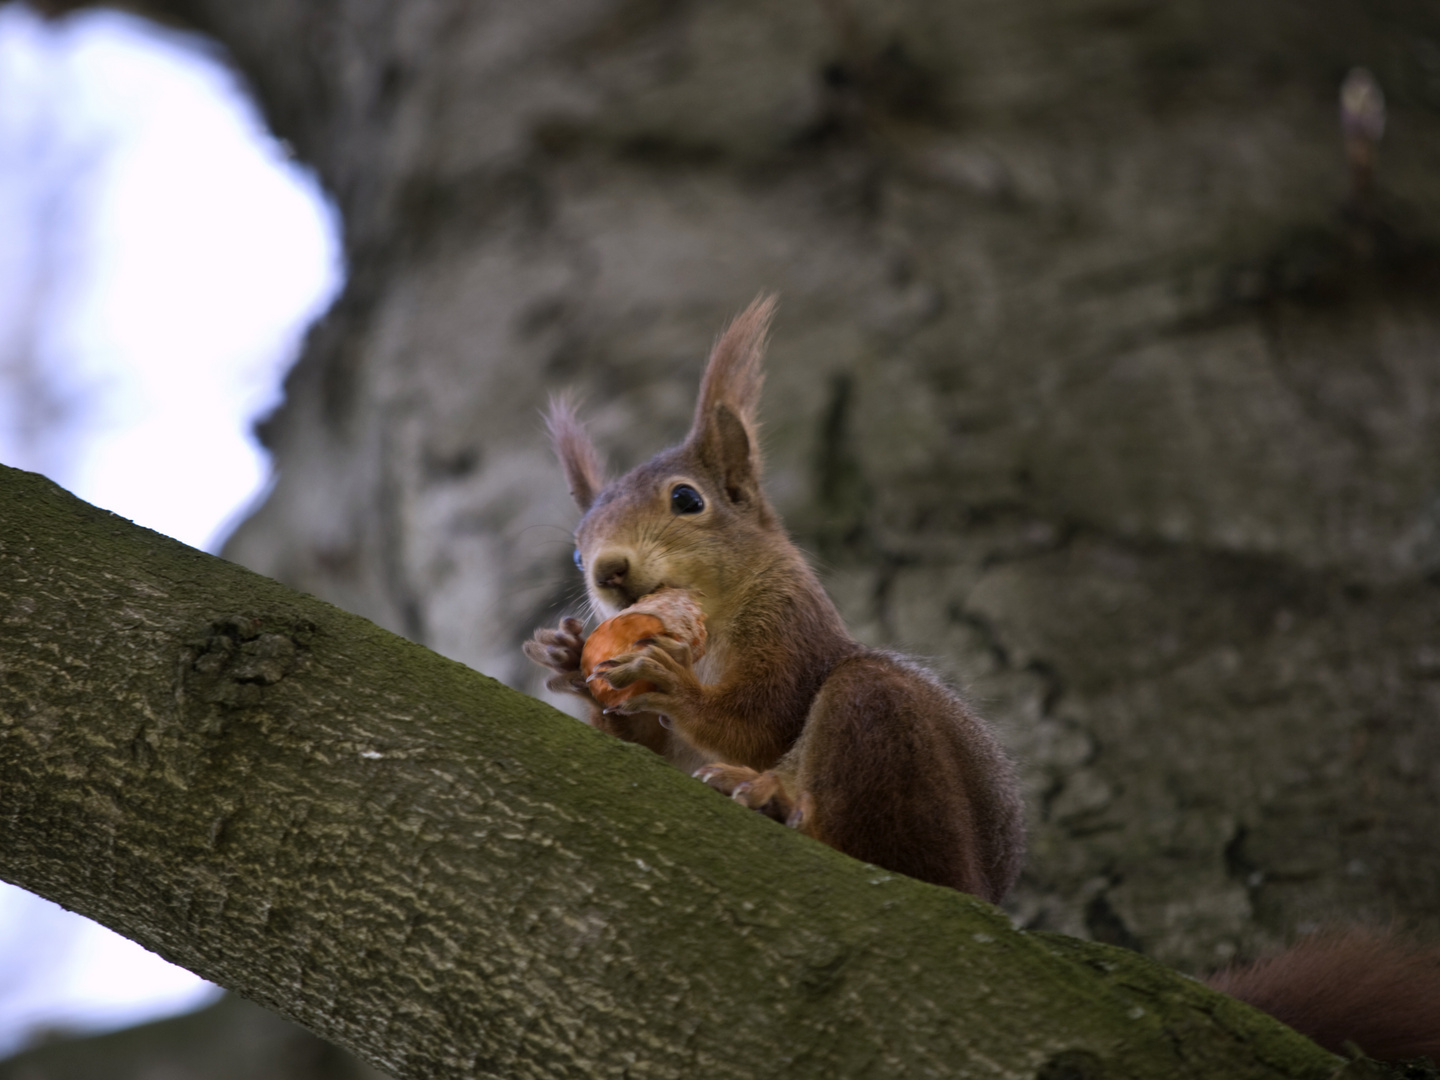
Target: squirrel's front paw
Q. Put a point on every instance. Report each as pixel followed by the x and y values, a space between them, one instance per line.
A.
pixel 664 663
pixel 764 792
pixel 559 650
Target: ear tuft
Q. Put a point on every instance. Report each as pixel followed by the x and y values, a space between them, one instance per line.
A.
pixel 733 376
pixel 723 438
pixel 576 452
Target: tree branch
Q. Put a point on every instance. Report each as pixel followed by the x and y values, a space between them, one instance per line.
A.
pixel 455 880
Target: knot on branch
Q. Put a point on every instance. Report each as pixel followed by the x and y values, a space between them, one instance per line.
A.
pixel 243 655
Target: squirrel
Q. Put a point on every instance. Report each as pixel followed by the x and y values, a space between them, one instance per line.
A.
pixel 861 749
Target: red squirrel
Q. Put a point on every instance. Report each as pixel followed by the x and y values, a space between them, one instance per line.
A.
pixel 864 750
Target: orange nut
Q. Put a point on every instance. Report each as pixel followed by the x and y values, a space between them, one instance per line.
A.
pixel 666 611
pixel 610 639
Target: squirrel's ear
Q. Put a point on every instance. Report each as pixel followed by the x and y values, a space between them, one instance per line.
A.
pixel 576 452
pixel 727 451
pixel 733 375
pixel 723 436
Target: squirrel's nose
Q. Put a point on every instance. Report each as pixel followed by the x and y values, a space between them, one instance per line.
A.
pixel 611 569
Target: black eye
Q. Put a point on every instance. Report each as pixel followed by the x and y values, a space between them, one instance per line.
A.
pixel 579 562
pixel 684 499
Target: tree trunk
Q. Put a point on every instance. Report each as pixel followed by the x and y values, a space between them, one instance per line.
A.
pixel 454 880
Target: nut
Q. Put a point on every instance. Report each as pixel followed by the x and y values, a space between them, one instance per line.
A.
pixel 669 612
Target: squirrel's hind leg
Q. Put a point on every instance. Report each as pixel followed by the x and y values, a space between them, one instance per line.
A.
pixel 893 769
pixel 770 792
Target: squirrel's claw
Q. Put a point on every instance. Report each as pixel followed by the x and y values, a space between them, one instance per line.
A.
pixel 559 650
pixel 570 633
pixel 662 704
pixel 632 667
pixel 724 778
pixel 566 682
pixel 761 791
pixel 659 660
pixel 678 651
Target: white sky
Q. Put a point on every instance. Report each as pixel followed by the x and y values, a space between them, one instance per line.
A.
pixel 160 258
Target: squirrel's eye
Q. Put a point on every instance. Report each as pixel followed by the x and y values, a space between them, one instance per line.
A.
pixel 684 499
pixel 579 562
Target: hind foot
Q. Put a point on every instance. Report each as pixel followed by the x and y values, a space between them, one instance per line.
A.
pixel 765 792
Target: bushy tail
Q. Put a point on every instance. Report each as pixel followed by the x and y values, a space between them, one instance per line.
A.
pixel 1375 990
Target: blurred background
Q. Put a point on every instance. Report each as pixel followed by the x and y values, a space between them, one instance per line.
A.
pixel 1106 375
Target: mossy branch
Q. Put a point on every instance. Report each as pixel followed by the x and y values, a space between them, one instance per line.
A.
pixel 455 880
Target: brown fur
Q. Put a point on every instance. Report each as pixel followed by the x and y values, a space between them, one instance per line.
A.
pixel 1349 986
pixel 734 374
pixel 575 450
pixel 861 749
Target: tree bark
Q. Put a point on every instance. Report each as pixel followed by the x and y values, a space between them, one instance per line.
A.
pixel 454 880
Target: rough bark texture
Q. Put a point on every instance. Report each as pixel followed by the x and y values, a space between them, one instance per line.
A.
pixel 457 881
pixel 1082 384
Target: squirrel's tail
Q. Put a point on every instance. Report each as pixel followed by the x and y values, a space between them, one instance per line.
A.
pixel 1375 990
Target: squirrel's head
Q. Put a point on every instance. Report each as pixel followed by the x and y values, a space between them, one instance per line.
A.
pixel 694 516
